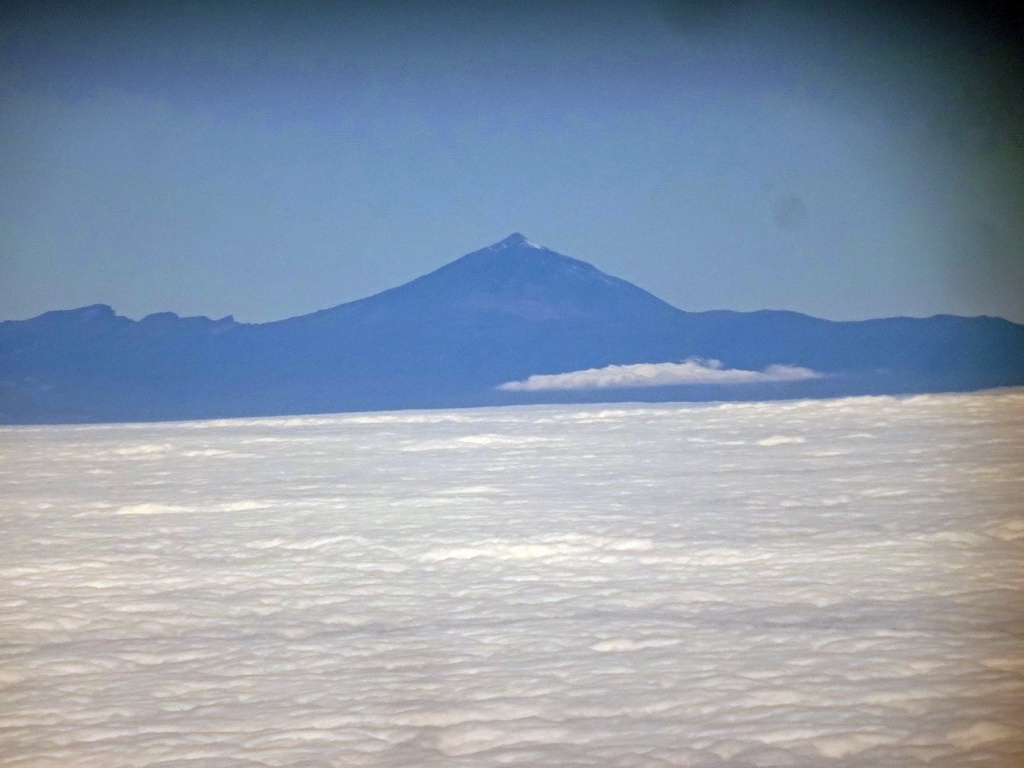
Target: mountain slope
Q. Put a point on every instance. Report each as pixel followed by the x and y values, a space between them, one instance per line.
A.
pixel 451 337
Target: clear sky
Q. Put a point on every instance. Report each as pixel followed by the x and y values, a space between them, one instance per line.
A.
pixel 271 159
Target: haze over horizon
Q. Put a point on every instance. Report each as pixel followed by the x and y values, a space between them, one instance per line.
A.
pixel 215 159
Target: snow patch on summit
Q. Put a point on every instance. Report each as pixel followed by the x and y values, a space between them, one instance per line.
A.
pixel 517 239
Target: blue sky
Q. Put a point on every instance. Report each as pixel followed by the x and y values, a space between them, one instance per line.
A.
pixel 268 160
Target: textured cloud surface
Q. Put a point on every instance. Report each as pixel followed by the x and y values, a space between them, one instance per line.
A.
pixel 826 583
pixel 691 371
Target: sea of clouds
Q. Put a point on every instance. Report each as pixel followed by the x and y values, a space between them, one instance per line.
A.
pixel 805 583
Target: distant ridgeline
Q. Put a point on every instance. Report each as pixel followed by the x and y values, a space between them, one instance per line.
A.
pixel 511 323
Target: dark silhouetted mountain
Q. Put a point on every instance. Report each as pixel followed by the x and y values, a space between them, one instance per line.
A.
pixel 451 337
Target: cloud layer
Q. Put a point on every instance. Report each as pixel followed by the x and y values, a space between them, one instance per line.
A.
pixel 827 583
pixel 693 370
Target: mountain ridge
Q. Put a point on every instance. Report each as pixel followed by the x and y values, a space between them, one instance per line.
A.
pixel 453 336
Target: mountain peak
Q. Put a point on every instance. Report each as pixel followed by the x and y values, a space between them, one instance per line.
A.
pixel 517 277
pixel 515 240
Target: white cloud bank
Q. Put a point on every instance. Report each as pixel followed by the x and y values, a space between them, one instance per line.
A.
pixel 797 584
pixel 693 370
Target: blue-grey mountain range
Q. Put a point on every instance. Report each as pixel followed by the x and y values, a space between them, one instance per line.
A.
pixel 452 337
